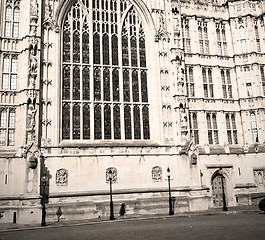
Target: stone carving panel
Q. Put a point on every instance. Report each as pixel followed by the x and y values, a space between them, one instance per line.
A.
pixel 111 173
pixel 62 177
pixel 157 173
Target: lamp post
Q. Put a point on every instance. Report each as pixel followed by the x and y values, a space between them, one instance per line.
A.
pixel 111 202
pixel 44 179
pixel 223 190
pixel 171 212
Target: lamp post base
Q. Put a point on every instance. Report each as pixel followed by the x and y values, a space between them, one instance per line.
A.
pixel 171 213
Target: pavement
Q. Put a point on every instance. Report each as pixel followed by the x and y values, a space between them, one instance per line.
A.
pixel 8 227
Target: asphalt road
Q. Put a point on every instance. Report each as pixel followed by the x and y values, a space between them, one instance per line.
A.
pixel 240 226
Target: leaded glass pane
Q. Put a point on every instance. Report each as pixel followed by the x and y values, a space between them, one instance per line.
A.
pixel 15 29
pixel 235 137
pixel 96 48
pixel 146 128
pixel 126 86
pixel 13 81
pixel 5 81
pixel 214 121
pixel 97 84
pixel 127 122
pixel 76 47
pixel 66 121
pixel 116 120
pixel 115 85
pixel 133 51
pixel 66 82
pixel 12 119
pixel 106 84
pixel 8 29
pixel 8 13
pixel 105 48
pixel 125 52
pixel 136 122
pixel 86 121
pixel 107 122
pixel 14 65
pixel 97 122
pixel 66 46
pixel 115 52
pixel 3 120
pixel 76 121
pixel 135 86
pixel 208 118
pixel 233 121
pixel 11 137
pixel 76 83
pixel 86 83
pixel 142 52
pixel 85 45
pixel 16 14
pixel 6 65
pixel 227 120
pixel 144 91
pixel 2 137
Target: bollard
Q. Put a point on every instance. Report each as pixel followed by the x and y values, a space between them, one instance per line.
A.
pixel 59 213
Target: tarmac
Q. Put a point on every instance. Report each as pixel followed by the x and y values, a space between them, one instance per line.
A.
pixel 9 227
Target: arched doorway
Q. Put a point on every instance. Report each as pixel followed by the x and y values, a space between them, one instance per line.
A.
pixel 219 189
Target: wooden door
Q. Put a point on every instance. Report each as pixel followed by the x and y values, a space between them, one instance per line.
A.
pixel 217 190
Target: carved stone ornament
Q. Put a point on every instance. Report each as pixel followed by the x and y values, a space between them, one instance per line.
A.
pixel 62 177
pixel 157 173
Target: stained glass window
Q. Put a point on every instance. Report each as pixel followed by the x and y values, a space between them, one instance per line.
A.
pixel 105 80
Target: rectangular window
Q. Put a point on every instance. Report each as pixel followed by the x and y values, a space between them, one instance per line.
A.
pixel 262 79
pixel 188 48
pixel 7 127
pixel 221 38
pixel 194 130
pixel 207 83
pixel 248 82
pixel 190 82
pixel 212 128
pixel 12 19
pixel 244 46
pixel 254 127
pixel 9 76
pixel 226 83
pixel 231 128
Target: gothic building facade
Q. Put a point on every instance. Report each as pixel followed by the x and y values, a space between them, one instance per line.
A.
pixel 132 88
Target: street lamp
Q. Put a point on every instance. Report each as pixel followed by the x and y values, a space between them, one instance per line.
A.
pixel 44 179
pixel 171 212
pixel 111 202
pixel 223 190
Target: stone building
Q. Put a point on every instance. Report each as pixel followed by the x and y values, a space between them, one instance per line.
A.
pixel 135 87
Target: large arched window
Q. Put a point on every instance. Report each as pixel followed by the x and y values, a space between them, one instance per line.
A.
pixel 104 72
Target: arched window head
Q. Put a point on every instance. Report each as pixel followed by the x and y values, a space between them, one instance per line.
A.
pixel 104 72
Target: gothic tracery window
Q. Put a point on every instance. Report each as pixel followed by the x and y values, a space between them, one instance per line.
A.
pixel 104 72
